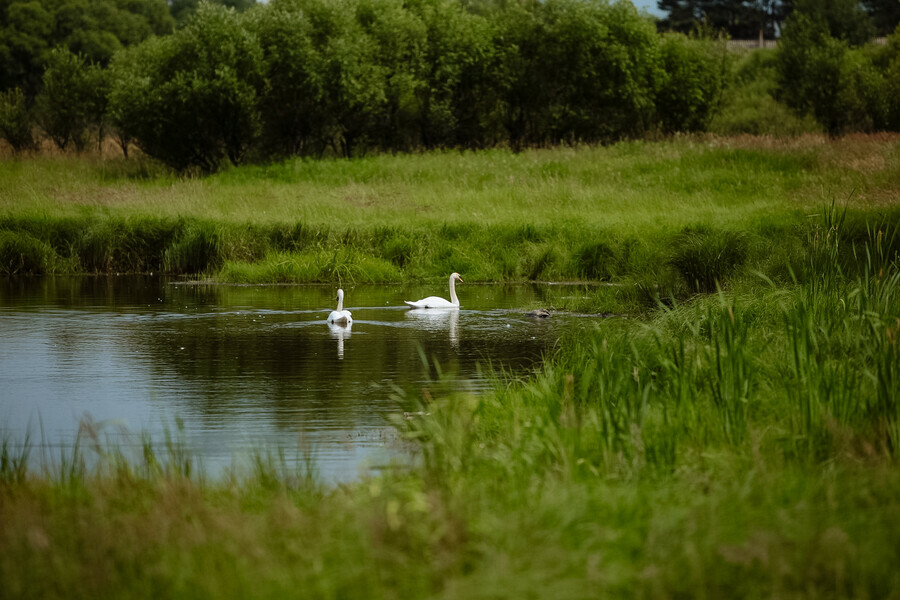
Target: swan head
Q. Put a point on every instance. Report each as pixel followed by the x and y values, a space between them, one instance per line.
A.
pixel 457 277
pixel 340 295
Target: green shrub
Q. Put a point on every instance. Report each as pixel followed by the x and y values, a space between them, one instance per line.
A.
pixel 399 249
pixel 71 100
pixel 196 250
pixel 749 104
pixel 705 257
pixel 692 85
pixel 190 99
pixel 23 254
pixel 16 120
pixel 125 246
pixel 596 260
pixel 821 75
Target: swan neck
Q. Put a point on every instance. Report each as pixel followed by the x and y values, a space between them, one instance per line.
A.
pixel 453 298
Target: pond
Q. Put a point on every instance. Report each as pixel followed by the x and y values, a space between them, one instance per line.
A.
pixel 233 370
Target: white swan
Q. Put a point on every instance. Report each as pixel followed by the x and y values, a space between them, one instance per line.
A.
pixel 438 302
pixel 340 316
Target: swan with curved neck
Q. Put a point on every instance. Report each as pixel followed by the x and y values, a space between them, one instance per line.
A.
pixel 340 316
pixel 437 301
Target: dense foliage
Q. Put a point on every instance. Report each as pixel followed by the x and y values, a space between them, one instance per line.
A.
pixel 190 99
pixel 742 19
pixel 847 88
pixel 96 29
pixel 348 77
pixel 746 19
pixel 353 76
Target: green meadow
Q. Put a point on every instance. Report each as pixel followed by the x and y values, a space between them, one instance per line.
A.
pixel 736 436
pixel 624 212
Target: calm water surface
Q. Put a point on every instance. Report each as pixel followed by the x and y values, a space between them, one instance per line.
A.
pixel 244 368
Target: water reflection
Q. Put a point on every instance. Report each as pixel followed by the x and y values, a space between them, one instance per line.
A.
pixel 340 333
pixel 244 367
pixel 437 320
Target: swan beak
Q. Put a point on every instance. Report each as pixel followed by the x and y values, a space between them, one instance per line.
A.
pixel 460 278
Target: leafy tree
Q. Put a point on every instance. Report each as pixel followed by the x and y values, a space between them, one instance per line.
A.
pixel 15 120
pixel 143 18
pixel 95 29
pixel 885 15
pixel 69 101
pixel 399 38
pixel 891 70
pixel 692 83
pixel 291 104
pixel 742 19
pixel 682 15
pixel 518 79
pixel 575 71
pixel 844 20
pixel 738 18
pixel 24 44
pixel 191 99
pixel 458 99
pixel 600 63
pixel 353 84
pixel 183 10
pixel 821 75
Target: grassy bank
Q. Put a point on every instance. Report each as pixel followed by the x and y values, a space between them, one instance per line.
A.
pixel 734 444
pixel 634 212
pixel 740 445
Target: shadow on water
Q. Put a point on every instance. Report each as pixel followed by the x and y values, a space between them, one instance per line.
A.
pixel 247 367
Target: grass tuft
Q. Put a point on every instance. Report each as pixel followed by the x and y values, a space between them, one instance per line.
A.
pixel 705 257
pixel 23 254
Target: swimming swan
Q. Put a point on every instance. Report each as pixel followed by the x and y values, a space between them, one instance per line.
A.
pixel 340 316
pixel 437 302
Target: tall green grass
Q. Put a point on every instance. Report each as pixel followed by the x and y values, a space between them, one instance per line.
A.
pixel 672 218
pixel 739 443
pixel 628 187
pixel 667 264
pixel 742 444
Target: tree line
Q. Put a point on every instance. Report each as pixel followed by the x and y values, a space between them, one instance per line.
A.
pixel 95 29
pixel 746 19
pixel 346 77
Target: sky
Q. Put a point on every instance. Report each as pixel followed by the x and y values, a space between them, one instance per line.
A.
pixel 648 5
